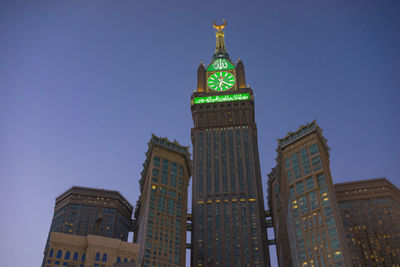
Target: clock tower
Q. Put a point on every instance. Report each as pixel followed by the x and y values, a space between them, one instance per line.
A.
pixel 227 198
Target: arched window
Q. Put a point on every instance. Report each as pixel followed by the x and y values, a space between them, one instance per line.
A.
pixel 59 254
pixel 51 253
pixel 83 257
pixel 75 256
pixel 118 259
pixel 67 255
pixel 132 260
pixel 125 260
pixel 104 259
pixel 97 258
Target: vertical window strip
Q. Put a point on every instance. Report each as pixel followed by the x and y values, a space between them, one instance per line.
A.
pixel 201 163
pixel 239 159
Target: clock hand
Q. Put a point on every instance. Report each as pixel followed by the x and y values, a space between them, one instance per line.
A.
pixel 225 82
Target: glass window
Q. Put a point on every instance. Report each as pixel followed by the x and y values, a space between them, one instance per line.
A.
pixel 97 258
pixel 51 253
pixel 332 232
pixel 335 244
pixel 314 149
pixel 296 168
pixel 83 257
pixel 300 187
pixel 304 161
pixel 330 221
pixel 328 211
pixel 316 162
pixel 118 259
pixel 59 254
pixel 75 258
pixel 313 200
pixel 310 183
pixel 303 204
pixel 325 196
pixel 104 259
pixel 337 256
pixel 67 255
pixel 156 161
pixel 321 180
pixel 156 172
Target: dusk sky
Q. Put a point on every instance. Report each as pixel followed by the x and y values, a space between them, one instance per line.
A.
pixel 83 84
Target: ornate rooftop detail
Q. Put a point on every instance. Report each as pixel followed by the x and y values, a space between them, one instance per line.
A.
pixel 220 49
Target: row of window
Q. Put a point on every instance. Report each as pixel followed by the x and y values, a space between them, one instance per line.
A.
pixel 229 148
pixel 75 257
pixel 292 163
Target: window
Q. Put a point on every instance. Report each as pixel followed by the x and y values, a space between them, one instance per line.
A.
pixel 118 259
pixel 314 149
pixel 104 259
pixel 300 188
pixel 321 180
pixel 316 162
pixel 309 183
pixel 332 232
pixel 335 244
pixel 97 258
pixel 83 257
pixel 313 200
pixel 67 255
pixel 156 161
pixel 330 221
pixel 125 260
pixel 304 161
pixel 303 204
pixel 51 253
pixel 295 163
pixel 59 254
pixel 328 211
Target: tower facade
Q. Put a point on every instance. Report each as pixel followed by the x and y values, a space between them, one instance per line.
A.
pixel 370 211
pixel 227 197
pixel 305 214
pixel 161 211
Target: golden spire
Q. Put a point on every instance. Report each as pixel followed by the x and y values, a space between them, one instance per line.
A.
pixel 220 50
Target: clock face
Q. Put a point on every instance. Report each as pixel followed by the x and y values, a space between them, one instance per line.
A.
pixel 221 81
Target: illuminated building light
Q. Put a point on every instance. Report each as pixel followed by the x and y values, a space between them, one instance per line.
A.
pixel 221 98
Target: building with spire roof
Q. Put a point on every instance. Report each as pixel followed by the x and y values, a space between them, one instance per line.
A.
pixel 227 196
pixel 301 197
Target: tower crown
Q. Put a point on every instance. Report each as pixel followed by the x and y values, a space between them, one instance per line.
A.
pixel 220 49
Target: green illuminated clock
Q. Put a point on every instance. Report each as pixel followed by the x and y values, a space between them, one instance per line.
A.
pixel 221 81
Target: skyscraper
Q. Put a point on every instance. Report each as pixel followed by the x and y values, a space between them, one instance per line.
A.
pixel 227 197
pixel 305 214
pixel 161 211
pixel 87 211
pixel 371 217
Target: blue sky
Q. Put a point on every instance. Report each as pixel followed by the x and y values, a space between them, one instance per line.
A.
pixel 83 84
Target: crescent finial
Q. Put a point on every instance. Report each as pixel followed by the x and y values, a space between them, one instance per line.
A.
pixel 219 27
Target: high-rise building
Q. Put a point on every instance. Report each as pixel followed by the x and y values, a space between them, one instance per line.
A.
pixel 227 197
pixel 305 214
pixel 370 211
pixel 161 211
pixel 87 211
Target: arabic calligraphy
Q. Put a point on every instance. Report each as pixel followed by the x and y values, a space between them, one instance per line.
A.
pixel 220 64
pixel 221 98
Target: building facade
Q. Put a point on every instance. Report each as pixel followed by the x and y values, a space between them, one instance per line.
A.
pixel 227 197
pixel 82 211
pixel 89 251
pixel 161 211
pixel 305 214
pixel 370 211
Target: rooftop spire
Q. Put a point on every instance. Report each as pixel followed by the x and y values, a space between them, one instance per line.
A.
pixel 220 50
